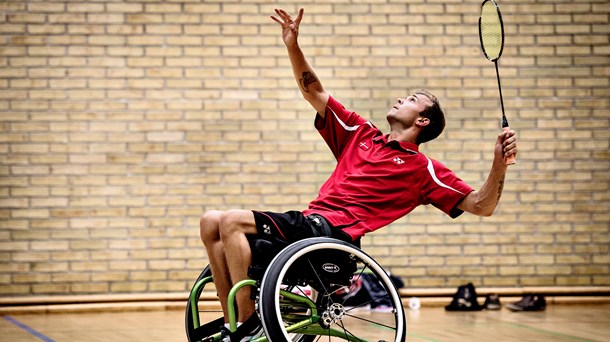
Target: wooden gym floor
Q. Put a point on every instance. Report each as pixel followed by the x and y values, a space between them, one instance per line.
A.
pixel 557 323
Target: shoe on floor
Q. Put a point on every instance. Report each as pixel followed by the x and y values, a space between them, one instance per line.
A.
pixel 528 303
pixel 465 299
pixel 254 334
pixel 250 330
pixel 492 302
pixel 224 334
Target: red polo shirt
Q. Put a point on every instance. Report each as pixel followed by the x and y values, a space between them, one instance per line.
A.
pixel 377 181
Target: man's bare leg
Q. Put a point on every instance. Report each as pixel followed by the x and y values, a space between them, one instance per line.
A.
pixel 209 225
pixel 234 225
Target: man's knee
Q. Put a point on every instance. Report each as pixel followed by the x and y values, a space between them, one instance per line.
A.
pixel 234 221
pixel 209 226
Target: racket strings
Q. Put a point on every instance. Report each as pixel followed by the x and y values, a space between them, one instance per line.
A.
pixel 492 36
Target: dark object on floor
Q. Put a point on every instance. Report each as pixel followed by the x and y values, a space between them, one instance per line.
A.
pixel 529 302
pixel 492 302
pixel 465 299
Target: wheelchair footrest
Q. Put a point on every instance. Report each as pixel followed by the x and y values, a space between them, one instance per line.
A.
pixel 205 332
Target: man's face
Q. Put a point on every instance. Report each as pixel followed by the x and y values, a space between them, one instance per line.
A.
pixel 406 110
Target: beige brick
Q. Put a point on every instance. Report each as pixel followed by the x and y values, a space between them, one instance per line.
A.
pixel 167 286
pixel 31 278
pixel 164 29
pixel 84 7
pixel 89 288
pixel 86 29
pixel 110 277
pixel 69 255
pixel 124 7
pixel 165 264
pixel 133 287
pixel 50 288
pixel 105 18
pixel 127 265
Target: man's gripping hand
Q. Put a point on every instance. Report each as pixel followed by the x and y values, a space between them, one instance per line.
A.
pixel 506 146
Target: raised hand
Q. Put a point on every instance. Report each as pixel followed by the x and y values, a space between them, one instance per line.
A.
pixel 290 27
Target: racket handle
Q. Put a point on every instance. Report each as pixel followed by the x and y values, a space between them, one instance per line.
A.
pixel 510 160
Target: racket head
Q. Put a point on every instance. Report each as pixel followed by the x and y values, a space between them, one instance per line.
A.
pixel 491 30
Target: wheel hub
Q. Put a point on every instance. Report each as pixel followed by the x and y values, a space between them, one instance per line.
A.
pixel 332 314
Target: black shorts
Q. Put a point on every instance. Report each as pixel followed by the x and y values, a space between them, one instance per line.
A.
pixel 293 226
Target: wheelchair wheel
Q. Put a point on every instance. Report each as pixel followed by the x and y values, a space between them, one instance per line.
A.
pixel 330 268
pixel 196 329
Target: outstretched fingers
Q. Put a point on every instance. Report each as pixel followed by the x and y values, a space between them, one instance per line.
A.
pixel 285 18
pixel 276 20
pixel 299 16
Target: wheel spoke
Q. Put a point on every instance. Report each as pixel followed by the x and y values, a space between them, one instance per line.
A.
pixel 371 321
pixel 347 332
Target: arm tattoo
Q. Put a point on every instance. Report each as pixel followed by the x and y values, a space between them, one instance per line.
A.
pixel 308 78
pixel 500 188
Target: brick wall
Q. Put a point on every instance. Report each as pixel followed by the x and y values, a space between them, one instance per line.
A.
pixel 122 121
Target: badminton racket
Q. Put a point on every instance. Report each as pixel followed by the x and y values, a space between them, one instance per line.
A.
pixel 491 33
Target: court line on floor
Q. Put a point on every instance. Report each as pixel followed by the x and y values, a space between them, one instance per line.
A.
pixel 548 332
pixel 28 329
pixel 409 334
pixel 422 337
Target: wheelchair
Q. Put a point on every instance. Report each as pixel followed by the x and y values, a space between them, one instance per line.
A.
pixel 302 294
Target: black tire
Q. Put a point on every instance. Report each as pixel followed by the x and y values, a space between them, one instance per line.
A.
pixel 194 334
pixel 325 265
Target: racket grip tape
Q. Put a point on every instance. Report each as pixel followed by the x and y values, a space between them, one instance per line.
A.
pixel 510 160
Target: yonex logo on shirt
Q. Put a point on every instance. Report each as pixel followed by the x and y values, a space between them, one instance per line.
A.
pixel 363 145
pixel 398 161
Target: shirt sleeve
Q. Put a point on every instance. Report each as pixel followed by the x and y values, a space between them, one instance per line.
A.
pixel 445 190
pixel 338 126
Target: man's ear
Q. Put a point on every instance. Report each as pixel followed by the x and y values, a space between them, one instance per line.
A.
pixel 422 121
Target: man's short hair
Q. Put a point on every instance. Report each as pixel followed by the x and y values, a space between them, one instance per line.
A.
pixel 435 114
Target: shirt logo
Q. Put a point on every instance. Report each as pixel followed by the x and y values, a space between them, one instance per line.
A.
pixel 364 145
pixel 266 229
pixel 398 161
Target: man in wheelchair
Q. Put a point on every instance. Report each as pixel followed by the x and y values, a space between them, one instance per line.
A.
pixel 378 179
